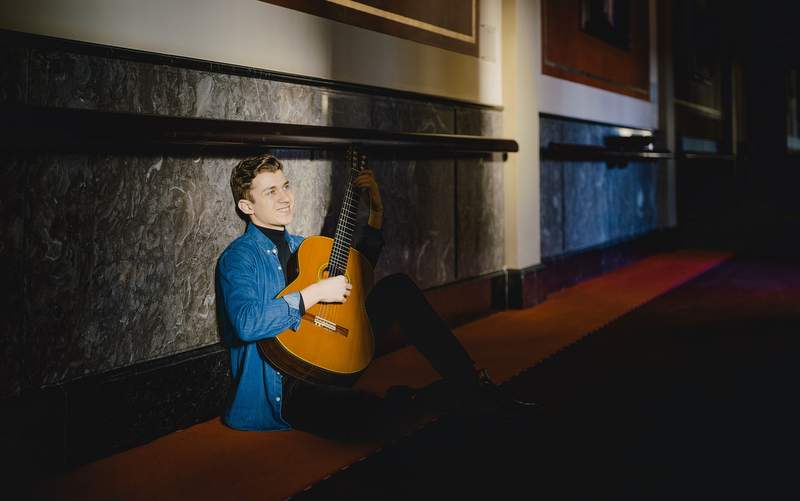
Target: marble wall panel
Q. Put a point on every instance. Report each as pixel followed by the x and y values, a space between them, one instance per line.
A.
pixel 573 132
pixel 480 199
pixel 63 79
pixel 479 122
pixel 597 204
pixel 120 260
pixel 291 103
pixel 403 115
pixel 623 194
pixel 14 77
pixel 479 214
pixel 631 201
pixel 12 337
pixel 347 109
pixel 419 220
pixel 311 179
pixel 551 215
pixel 585 205
pixel 647 206
pixel 550 131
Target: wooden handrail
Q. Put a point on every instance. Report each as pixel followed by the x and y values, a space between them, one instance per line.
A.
pixel 586 152
pixel 39 128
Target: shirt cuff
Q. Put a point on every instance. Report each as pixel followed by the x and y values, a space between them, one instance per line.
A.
pixel 295 302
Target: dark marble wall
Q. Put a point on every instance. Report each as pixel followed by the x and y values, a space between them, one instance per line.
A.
pixel 108 260
pixel 586 204
pixel 480 200
pixel 12 208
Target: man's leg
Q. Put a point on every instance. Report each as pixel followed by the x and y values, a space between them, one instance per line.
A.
pixel 344 412
pixel 396 299
pixel 329 411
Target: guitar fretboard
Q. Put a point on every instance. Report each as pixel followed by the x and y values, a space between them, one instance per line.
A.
pixel 347 217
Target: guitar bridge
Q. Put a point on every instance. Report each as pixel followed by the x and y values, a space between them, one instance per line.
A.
pixel 325 324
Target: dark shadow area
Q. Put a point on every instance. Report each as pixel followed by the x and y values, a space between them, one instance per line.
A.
pixel 690 396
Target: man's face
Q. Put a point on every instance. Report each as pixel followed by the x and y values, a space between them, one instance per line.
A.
pixel 273 203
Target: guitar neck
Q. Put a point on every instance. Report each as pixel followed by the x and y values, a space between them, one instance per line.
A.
pixel 345 227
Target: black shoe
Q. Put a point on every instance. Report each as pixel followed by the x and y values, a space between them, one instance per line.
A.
pixel 486 396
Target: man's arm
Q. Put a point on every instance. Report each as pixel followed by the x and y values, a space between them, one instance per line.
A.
pixel 366 182
pixel 252 318
pixel 371 242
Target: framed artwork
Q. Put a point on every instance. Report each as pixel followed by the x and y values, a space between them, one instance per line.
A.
pixel 602 43
pixel 447 24
pixel 608 20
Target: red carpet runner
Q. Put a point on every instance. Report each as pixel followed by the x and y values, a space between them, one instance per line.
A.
pixel 210 461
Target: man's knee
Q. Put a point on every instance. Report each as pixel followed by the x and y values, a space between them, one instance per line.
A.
pixel 395 287
pixel 399 281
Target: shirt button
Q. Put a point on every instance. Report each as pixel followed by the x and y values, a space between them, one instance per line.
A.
pixel 274 251
pixel 279 267
pixel 277 399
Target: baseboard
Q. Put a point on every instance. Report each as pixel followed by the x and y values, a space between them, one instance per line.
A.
pixel 59 427
pixel 530 286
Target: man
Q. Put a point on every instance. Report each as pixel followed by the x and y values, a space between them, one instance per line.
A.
pixel 251 272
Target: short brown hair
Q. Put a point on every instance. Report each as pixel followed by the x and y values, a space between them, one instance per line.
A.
pixel 245 171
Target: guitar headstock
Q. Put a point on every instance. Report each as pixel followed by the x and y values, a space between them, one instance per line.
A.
pixel 355 160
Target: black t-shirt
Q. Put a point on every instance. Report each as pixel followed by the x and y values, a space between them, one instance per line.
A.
pixel 278 238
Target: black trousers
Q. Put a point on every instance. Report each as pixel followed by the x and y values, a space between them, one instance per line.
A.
pixel 395 300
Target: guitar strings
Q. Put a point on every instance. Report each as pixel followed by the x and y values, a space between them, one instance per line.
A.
pixel 344 230
pixel 345 227
pixel 339 256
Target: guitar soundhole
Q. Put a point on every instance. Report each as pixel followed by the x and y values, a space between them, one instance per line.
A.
pixel 324 271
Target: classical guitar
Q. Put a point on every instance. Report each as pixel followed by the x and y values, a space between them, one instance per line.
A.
pixel 334 342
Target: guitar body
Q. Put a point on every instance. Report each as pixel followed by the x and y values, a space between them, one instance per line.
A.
pixel 334 343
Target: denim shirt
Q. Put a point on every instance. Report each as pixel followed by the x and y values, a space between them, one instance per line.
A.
pixel 249 276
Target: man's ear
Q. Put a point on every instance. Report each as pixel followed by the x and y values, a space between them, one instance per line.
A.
pixel 246 206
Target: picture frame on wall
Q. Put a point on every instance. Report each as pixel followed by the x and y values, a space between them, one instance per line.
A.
pixel 450 25
pixel 608 20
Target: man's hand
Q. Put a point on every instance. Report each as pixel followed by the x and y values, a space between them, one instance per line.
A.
pixel 328 290
pixel 369 186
